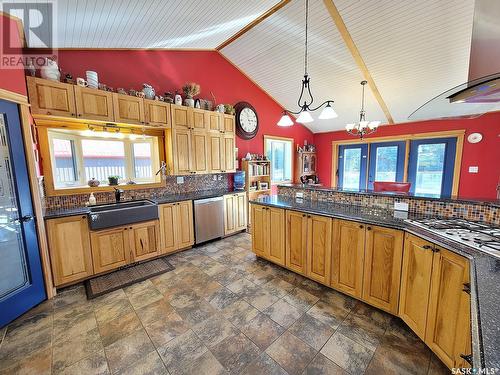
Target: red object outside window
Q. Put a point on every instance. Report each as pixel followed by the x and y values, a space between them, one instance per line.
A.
pixel 399 187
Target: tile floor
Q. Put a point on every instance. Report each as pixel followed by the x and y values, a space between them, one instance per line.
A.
pixel 221 311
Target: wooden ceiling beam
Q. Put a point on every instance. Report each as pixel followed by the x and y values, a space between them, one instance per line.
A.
pixel 252 24
pixel 342 28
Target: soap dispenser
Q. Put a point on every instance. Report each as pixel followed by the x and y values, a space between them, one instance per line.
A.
pixel 92 200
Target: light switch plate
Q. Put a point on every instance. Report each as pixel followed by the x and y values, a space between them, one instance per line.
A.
pixel 299 195
pixel 400 206
pixel 180 179
pixel 473 169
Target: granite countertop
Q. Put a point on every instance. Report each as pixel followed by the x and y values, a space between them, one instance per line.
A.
pixel 485 268
pixel 159 199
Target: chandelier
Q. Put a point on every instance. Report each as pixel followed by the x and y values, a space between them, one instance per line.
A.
pixel 306 105
pixel 363 127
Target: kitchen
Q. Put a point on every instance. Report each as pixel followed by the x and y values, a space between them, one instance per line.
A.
pixel 175 200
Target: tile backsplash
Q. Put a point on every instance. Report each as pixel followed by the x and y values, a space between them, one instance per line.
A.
pixel 431 207
pixel 191 184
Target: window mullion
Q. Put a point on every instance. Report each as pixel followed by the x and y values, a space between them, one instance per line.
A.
pixel 80 166
pixel 129 160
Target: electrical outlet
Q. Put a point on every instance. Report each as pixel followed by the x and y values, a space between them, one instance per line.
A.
pixel 400 206
pixel 299 195
pixel 220 177
pixel 180 179
pixel 473 169
pixel 214 177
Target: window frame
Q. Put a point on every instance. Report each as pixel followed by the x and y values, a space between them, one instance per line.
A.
pixel 47 159
pixel 407 138
pixel 400 166
pixel 292 158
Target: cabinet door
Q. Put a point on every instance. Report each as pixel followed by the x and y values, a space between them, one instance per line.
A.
pixel 128 109
pixel 240 214
pixel 144 240
pixel 51 98
pixel 199 119
pixel 259 229
pixel 157 113
pixel 110 249
pixel 94 104
pixel 449 304
pixel 167 228
pixel 275 250
pixel 184 224
pixel 181 151
pixel 296 241
pixel 228 163
pixel 181 117
pixel 415 283
pixel 69 247
pixel 216 152
pixel 348 257
pixel 213 121
pixel 382 269
pixel 199 152
pixel 228 124
pixel 229 214
pixel 319 248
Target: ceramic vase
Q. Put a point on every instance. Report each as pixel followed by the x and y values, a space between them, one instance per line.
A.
pixel 92 79
pixel 50 70
pixel 178 99
pixel 189 102
pixel 149 91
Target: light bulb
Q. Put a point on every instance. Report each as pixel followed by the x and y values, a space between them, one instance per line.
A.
pixel 363 125
pixel 328 113
pixel 374 124
pixel 349 127
pixel 304 117
pixel 285 120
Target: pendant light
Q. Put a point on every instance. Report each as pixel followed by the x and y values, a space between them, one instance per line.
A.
pixel 363 127
pixel 305 104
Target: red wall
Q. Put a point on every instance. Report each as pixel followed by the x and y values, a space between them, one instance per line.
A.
pixel 485 155
pixel 169 70
pixel 11 79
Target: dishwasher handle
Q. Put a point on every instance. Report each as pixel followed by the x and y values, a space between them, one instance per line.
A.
pixel 207 201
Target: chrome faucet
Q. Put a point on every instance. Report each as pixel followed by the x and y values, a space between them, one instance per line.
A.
pixel 118 194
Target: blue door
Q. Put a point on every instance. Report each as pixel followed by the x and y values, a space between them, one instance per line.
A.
pixel 352 167
pixel 431 165
pixel 21 280
pixel 387 162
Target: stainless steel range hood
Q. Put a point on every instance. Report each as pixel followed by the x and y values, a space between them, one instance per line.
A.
pixel 481 94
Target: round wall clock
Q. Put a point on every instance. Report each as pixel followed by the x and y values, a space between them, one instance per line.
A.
pixel 247 122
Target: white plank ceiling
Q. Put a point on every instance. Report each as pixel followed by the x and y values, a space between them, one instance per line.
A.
pixel 414 50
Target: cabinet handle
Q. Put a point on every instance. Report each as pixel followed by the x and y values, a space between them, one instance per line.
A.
pixel 435 249
pixel 466 289
pixel 368 228
pixel 467 357
pixel 79 115
pixel 427 247
pixel 303 215
pixel 48 112
pixel 361 226
pixel 84 217
pixel 72 115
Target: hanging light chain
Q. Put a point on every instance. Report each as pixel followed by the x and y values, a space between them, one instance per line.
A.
pixel 307 23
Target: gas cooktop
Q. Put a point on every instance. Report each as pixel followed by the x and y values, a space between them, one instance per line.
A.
pixel 479 235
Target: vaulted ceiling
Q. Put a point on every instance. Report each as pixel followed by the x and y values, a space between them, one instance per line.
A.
pixel 412 50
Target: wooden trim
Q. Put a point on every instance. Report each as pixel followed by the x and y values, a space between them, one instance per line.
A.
pixel 252 24
pixel 37 202
pixel 459 134
pixel 351 46
pixel 266 137
pixel 20 28
pixel 13 97
pixel 126 49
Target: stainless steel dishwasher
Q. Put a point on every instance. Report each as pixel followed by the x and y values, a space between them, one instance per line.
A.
pixel 208 219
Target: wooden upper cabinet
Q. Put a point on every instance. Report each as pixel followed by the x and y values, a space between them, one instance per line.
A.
pixel 128 109
pixel 181 151
pixel 184 223
pixel 199 151
pixel 168 227
pixel 228 123
pixel 181 117
pixel 214 121
pixel 110 249
pixel 51 98
pixel 319 248
pixel 198 119
pixel 259 229
pixel 144 240
pixel 215 152
pixel 94 104
pixel 275 251
pixel 157 113
pixel 448 324
pixel 69 248
pixel 416 283
pixel 296 241
pixel 228 155
pixel 348 257
pixel 382 269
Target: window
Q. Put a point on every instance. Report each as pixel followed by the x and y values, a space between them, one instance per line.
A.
pixel 77 157
pixel 430 164
pixel 279 151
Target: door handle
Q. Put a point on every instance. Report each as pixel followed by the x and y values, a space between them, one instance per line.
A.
pixel 22 219
pixel 467 357
pixel 466 289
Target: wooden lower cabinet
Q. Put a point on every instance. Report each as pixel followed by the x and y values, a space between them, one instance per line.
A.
pixel 185 224
pixel 348 252
pixel 382 267
pixel 176 226
pixel 260 229
pixel 319 248
pixel 268 234
pixel 168 222
pixel 296 241
pixel 69 248
pixel 110 248
pixel 235 216
pixel 144 240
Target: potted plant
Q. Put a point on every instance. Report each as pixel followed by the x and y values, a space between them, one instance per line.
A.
pixel 228 109
pixel 190 90
pixel 113 180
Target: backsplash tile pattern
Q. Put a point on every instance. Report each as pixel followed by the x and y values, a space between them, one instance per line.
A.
pixel 470 211
pixel 191 184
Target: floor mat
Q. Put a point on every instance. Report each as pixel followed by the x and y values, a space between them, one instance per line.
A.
pixel 127 276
